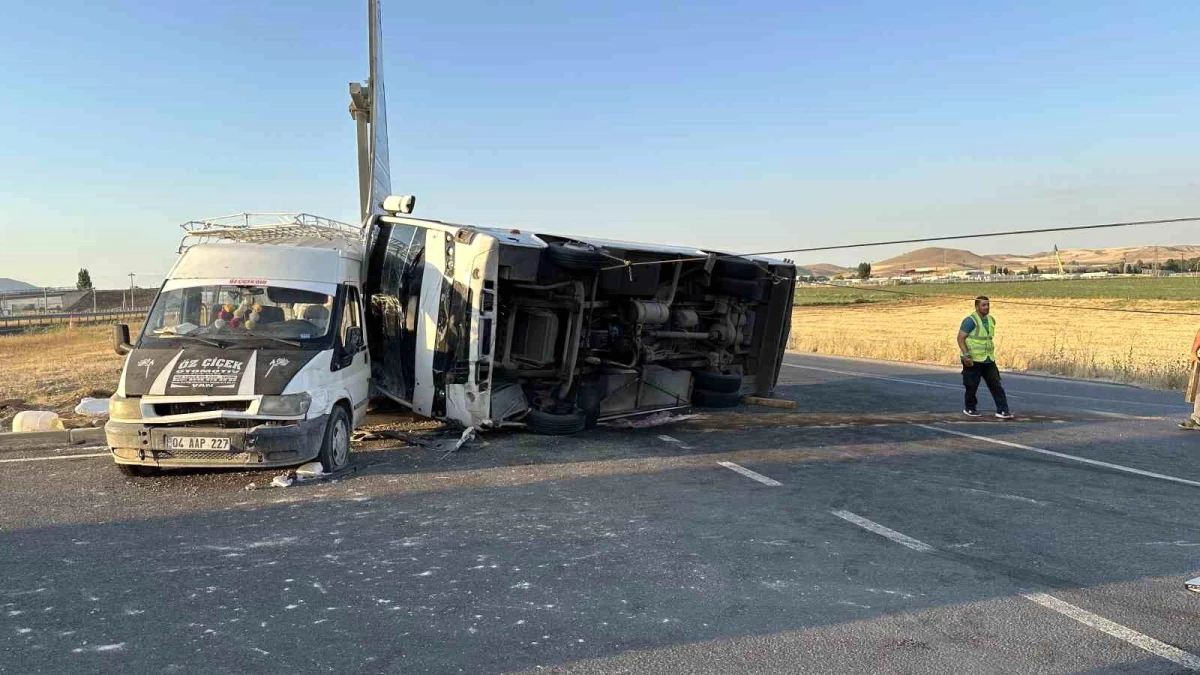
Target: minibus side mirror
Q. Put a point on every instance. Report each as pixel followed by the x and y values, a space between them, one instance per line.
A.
pixel 120 338
pixel 354 339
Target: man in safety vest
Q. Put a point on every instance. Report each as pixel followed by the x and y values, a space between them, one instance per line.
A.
pixel 978 354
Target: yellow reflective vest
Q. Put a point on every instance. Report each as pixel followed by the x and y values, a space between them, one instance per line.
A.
pixel 979 341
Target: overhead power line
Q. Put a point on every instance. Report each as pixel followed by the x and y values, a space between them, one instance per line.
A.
pixel 1006 301
pixel 920 240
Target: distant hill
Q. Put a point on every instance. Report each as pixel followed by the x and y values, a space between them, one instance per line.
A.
pixel 822 270
pixel 1099 256
pixel 954 259
pixel 948 259
pixel 14 285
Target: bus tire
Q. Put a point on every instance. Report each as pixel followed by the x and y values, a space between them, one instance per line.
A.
pixel 717 382
pixel 552 424
pixel 735 268
pixel 574 255
pixel 715 399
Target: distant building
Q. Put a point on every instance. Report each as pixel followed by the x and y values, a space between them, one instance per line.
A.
pixel 38 300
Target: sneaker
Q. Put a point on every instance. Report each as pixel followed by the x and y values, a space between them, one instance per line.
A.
pixel 971 412
pixel 1189 423
pixel 1004 415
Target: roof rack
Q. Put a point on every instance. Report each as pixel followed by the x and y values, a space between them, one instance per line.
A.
pixel 266 228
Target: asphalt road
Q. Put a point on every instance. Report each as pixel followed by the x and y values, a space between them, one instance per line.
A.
pixel 873 529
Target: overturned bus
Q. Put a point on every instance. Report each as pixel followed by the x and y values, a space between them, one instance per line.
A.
pixel 484 326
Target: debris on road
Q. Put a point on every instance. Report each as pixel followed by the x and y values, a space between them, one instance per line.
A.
pixel 305 473
pixel 309 471
pixel 92 407
pixel 468 435
pixel 36 420
pixel 770 402
pixel 382 435
pixel 656 420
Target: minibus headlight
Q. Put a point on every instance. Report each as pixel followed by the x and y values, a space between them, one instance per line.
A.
pixel 123 408
pixel 290 404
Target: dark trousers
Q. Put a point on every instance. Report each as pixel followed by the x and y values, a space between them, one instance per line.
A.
pixel 989 373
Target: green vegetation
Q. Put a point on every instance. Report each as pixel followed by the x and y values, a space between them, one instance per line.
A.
pixel 1141 288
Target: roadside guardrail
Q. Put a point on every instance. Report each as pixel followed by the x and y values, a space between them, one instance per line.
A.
pixel 19 321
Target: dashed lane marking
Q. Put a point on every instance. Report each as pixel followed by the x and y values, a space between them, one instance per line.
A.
pixel 872 526
pixel 1121 416
pixel 48 459
pixel 1062 455
pixel 1139 640
pixel 753 475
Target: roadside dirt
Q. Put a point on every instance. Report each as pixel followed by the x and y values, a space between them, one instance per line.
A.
pixel 54 369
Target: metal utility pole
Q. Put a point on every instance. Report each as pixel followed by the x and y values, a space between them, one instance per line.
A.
pixel 131 287
pixel 368 109
pixel 360 111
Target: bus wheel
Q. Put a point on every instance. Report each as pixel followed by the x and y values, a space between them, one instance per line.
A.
pixel 551 424
pixel 718 382
pixel 573 255
pixel 715 399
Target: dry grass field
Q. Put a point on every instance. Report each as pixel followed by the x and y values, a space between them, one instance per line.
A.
pixel 53 369
pixel 1145 349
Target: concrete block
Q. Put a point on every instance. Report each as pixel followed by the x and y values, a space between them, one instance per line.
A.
pixel 12 440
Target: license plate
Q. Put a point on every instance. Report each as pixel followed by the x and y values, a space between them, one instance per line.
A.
pixel 197 443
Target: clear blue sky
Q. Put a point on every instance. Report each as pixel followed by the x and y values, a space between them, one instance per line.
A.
pixel 741 126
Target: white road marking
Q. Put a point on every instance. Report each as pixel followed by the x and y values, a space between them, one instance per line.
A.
pixel 1060 455
pixel 1139 640
pixel 750 474
pixel 47 459
pixel 671 439
pixel 1121 416
pixel 939 385
pixel 872 526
